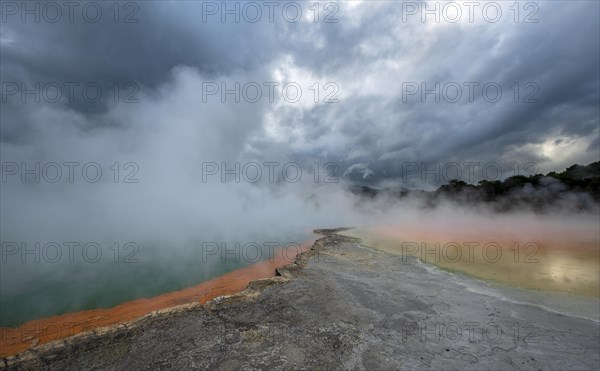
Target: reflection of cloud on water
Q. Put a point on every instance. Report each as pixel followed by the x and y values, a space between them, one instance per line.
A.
pixel 563 258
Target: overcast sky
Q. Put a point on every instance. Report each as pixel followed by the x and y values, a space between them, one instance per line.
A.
pixel 372 53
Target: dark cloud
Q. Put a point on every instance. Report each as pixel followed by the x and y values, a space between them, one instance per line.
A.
pixel 369 53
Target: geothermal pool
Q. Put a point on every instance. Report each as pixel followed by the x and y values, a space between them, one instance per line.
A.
pixel 35 288
pixel 40 331
pixel 90 296
pixel 556 263
pixel 550 260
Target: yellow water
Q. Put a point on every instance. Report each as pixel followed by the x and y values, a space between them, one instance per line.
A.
pixel 543 255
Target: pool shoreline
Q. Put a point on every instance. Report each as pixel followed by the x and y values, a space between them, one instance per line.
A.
pixel 37 332
pixel 333 308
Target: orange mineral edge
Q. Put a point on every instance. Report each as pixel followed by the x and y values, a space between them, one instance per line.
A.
pixel 40 331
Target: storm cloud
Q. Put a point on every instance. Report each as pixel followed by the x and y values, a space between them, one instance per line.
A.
pixel 373 53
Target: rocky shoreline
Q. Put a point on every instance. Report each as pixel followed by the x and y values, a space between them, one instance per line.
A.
pixel 15 340
pixel 342 306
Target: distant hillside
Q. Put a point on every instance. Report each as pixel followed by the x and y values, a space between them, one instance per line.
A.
pixel 577 187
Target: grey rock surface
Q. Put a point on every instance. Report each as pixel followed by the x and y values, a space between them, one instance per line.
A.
pixel 340 306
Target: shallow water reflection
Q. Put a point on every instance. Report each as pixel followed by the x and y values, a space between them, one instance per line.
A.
pixel 543 255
